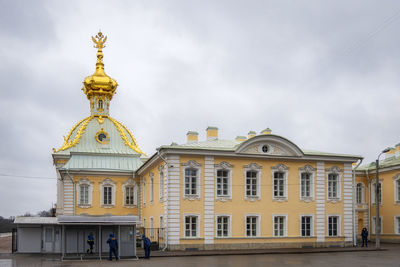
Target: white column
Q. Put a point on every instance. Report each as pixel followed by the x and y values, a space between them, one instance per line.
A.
pixel 209 200
pixel 347 202
pixel 320 202
pixel 173 200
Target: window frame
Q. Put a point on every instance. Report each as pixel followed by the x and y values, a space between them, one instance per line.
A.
pixel 338 223
pixel 107 183
pixel 130 183
pixel 396 224
pixel 280 168
pixel 256 168
pixel 84 182
pixel 191 164
pixel 151 226
pixel 338 172
pixel 223 166
pixel 151 188
pixel 258 223
pixel 161 183
pixel 311 171
pixel 373 224
pixel 229 230
pixel 396 186
pixel 144 192
pixel 197 225
pixel 285 225
pixel 373 196
pixel 311 224
pixel 360 193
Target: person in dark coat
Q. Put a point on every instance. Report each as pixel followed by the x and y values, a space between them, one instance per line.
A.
pixel 113 243
pixel 90 242
pixel 146 245
pixel 364 236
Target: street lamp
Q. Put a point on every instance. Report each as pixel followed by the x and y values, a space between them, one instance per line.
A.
pixel 377 202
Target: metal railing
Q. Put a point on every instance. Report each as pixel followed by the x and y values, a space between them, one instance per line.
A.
pixel 156 236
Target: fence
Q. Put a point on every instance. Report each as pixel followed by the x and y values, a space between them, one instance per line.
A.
pixel 156 236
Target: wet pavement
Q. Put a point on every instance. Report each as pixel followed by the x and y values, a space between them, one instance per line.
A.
pixel 388 257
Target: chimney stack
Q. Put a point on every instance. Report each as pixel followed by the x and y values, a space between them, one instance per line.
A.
pixel 266 131
pixel 212 133
pixel 240 138
pixel 251 134
pixel 192 137
pixel 390 153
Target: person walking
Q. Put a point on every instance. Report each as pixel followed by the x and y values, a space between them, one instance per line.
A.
pixel 113 243
pixel 364 236
pixel 90 242
pixel 146 245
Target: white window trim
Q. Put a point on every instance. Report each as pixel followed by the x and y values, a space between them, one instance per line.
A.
pixel 285 225
pixel 107 182
pixel 227 167
pixel 257 168
pixel 334 170
pixel 151 226
pixel 285 170
pixel 229 225
pixel 84 181
pixel 198 235
pixel 312 224
pixel 396 191
pixel 373 197
pixel 258 229
pixel 192 164
pixel 151 188
pixel 310 170
pixel 396 223
pixel 161 221
pixel 339 224
pixel 161 181
pixel 373 224
pixel 144 222
pixel 144 193
pixel 362 193
pixel 130 182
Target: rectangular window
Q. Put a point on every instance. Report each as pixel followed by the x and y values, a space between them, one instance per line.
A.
pixel 222 183
pixel 161 185
pixel 379 193
pixel 306 222
pixel 279 184
pixel 279 225
pixel 151 189
pixel 305 185
pixel 251 226
pixel 190 182
pixel 222 226
pixel 332 185
pixel 398 190
pixel 161 226
pixel 151 227
pixel 144 193
pixel 398 225
pixel 84 193
pixel 251 183
pixel 359 192
pixel 191 226
pixel 129 195
pixel 374 226
pixel 107 195
pixel 333 225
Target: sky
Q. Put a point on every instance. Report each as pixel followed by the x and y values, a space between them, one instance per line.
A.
pixel 324 74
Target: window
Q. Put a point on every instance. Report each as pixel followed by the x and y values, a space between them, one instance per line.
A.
pixel 397 224
pixel 223 226
pixel 161 226
pixel 279 184
pixel 151 227
pixel 222 183
pixel 161 182
pixel 374 193
pixel 305 185
pixel 100 104
pixel 359 193
pixel 332 185
pixel 144 193
pixel 333 225
pixel 251 226
pixel 306 225
pixel 396 188
pixel 151 187
pixel 374 226
pixel 84 194
pixel 191 182
pixel 107 199
pixel 129 195
pixel 279 226
pixel 191 176
pixel 191 226
pixel 144 223
pixel 251 183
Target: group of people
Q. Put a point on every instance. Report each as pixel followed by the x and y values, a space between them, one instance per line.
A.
pixel 113 246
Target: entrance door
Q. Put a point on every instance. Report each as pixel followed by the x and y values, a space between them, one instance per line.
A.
pixel 48 238
pixel 128 241
pixel 57 239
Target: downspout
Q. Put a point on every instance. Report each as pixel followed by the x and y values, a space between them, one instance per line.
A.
pixel 354 204
pixel 165 200
pixel 369 202
pixel 73 190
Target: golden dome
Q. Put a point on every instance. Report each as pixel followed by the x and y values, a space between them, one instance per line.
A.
pixel 99 83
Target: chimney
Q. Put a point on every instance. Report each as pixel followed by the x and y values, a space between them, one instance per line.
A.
pixel 266 131
pixel 390 153
pixel 212 133
pixel 192 137
pixel 240 138
pixel 397 153
pixel 251 134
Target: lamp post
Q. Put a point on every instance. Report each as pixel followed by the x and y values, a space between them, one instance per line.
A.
pixel 377 203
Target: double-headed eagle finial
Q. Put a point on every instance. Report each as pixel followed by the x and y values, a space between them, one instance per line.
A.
pixel 101 39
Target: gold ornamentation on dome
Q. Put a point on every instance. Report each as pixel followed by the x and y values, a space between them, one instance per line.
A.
pixel 102 137
pixel 133 145
pixel 101 39
pixel 100 119
pixel 70 143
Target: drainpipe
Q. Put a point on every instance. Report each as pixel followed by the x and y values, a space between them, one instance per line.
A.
pixel 354 205
pixel 165 200
pixel 369 202
pixel 73 192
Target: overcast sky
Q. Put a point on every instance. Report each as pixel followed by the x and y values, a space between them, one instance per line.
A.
pixel 324 74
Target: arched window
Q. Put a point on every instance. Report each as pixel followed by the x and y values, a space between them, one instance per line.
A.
pixel 100 104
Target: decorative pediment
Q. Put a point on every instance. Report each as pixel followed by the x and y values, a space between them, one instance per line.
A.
pixel 130 182
pixel 223 165
pixel 280 168
pixel 191 164
pixel 396 177
pixel 252 166
pixel 269 145
pixel 308 169
pixel 334 169
pixel 107 181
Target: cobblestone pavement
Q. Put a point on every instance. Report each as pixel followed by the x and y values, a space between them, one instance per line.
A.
pixel 389 257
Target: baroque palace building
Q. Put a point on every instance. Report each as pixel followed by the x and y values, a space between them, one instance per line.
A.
pixel 259 191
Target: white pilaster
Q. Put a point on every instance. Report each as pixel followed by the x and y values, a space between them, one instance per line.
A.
pixel 68 194
pixel 347 202
pixel 320 202
pixel 209 200
pixel 173 214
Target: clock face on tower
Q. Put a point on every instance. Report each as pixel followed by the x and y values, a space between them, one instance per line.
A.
pixel 102 137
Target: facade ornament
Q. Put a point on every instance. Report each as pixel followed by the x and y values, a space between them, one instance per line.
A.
pixel 223 165
pixel 252 166
pixel 334 169
pixel 307 169
pixel 280 167
pixel 192 164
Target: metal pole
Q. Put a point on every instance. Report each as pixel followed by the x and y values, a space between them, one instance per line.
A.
pixel 100 242
pixel 377 202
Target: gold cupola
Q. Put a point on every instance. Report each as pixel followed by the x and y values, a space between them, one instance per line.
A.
pixel 99 87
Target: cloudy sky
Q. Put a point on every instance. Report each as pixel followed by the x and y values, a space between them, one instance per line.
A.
pixel 324 74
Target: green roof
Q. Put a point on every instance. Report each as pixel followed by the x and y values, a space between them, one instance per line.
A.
pixel 389 162
pixel 103 162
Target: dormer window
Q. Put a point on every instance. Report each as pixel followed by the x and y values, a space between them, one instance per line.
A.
pixel 100 105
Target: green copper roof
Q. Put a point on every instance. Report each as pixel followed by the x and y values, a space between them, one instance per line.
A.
pixel 389 162
pixel 103 162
